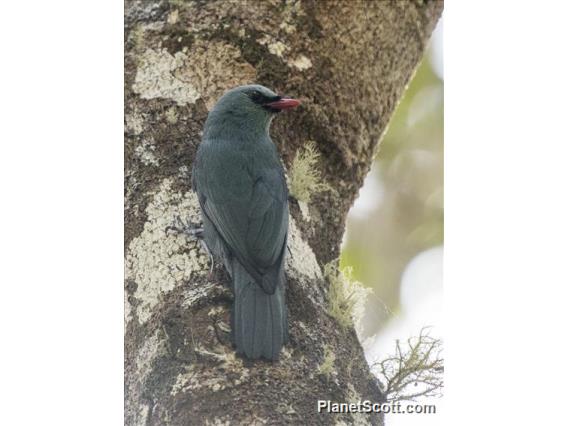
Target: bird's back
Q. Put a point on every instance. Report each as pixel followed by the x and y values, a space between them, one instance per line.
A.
pixel 243 197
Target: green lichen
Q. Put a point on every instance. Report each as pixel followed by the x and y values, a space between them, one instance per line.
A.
pixel 346 296
pixel 159 261
pixel 305 178
pixel 156 77
pixel 415 370
pixel 138 37
pixel 327 367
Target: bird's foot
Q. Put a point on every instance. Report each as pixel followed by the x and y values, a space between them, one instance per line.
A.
pixel 195 232
pixel 190 229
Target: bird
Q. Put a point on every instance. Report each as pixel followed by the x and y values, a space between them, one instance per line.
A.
pixel 241 186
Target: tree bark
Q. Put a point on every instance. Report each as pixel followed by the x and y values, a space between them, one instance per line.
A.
pixel 349 62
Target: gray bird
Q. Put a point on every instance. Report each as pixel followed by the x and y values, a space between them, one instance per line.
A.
pixel 241 187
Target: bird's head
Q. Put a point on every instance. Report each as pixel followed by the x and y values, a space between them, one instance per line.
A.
pixel 249 107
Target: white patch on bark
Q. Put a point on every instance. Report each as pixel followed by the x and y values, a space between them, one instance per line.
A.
pixel 185 381
pixel 150 350
pixel 183 172
pixel 292 10
pixel 135 123
pixel 145 153
pixel 301 261
pixel 171 115
pixel 231 372
pixel 143 412
pixel 275 47
pixel 206 70
pixel 302 265
pixel 197 293
pixel 173 17
pixel 213 67
pixel 155 78
pixel 358 419
pixel 158 261
pixel 278 48
pixel 288 28
pixel 301 62
pixel 218 421
pixel 304 209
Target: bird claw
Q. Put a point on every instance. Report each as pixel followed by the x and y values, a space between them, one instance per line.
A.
pixel 192 231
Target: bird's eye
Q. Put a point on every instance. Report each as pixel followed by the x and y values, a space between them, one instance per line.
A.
pixel 256 96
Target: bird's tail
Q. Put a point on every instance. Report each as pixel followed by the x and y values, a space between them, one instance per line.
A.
pixel 260 320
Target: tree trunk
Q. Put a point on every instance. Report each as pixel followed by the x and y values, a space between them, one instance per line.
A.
pixel 349 62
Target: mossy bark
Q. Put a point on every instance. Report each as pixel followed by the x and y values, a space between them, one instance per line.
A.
pixel 349 62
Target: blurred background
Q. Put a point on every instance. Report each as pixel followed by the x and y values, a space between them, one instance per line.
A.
pixel 394 236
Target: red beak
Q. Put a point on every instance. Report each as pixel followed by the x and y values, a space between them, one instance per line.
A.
pixel 284 103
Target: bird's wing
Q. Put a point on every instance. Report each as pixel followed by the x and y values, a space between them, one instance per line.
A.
pixel 246 198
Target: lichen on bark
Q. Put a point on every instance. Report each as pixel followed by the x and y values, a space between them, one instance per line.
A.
pixel 349 62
